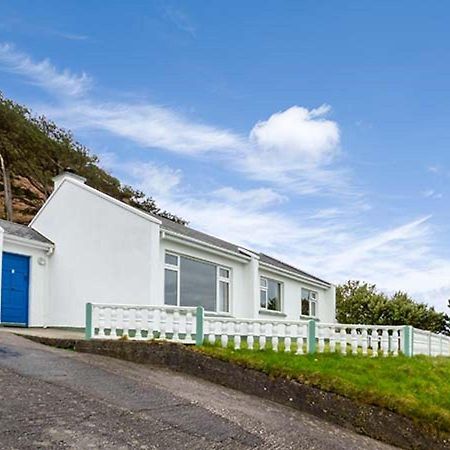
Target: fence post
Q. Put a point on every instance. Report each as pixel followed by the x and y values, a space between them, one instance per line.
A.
pixel 311 338
pixel 199 316
pixel 408 340
pixel 88 329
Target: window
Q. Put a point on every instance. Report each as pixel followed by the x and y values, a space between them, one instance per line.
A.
pixel 270 294
pixel 191 282
pixel 224 289
pixel 309 303
pixel 171 279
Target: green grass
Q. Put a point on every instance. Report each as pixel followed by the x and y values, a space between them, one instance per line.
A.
pixel 417 387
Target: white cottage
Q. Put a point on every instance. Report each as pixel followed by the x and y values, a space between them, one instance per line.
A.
pixel 85 246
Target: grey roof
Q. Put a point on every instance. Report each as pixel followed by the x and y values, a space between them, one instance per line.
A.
pixel 203 237
pixel 16 229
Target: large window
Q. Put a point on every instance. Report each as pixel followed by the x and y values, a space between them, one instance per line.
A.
pixel 309 303
pixel 191 282
pixel 270 294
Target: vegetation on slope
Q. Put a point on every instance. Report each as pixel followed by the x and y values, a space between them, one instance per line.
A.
pixel 33 150
pixel 417 387
pixel 358 302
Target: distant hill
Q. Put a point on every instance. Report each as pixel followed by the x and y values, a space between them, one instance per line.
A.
pixel 34 149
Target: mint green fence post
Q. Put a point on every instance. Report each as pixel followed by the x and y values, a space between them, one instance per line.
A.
pixel 88 322
pixel 199 317
pixel 311 337
pixel 408 340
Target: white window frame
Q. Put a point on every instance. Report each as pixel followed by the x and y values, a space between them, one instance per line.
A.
pixel 226 280
pixel 219 278
pixel 174 269
pixel 265 289
pixel 315 301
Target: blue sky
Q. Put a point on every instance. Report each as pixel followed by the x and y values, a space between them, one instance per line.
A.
pixel 315 131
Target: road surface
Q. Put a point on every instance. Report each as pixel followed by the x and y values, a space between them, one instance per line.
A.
pixel 52 398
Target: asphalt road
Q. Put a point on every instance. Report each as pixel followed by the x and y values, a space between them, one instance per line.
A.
pixel 51 398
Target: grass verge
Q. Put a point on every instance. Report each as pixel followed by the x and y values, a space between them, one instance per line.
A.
pixel 418 387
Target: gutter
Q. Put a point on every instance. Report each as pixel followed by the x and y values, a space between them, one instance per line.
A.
pixel 12 239
pixel 294 275
pixel 201 245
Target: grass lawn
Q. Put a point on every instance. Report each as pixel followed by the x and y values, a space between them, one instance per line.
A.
pixel 417 387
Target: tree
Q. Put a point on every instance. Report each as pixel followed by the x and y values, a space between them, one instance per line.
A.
pixel 358 302
pixel 34 149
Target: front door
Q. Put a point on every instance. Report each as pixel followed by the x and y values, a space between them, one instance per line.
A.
pixel 15 279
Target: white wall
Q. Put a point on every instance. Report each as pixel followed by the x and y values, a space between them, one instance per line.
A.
pixel 103 253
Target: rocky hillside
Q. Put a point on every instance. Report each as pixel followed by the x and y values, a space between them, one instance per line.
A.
pixel 33 150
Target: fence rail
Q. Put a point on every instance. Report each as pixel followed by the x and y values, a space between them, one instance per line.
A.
pixel 137 322
pixel 189 325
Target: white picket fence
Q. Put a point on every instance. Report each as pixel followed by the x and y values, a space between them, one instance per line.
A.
pixel 139 322
pixel 431 344
pixel 376 340
pixel 257 334
pixel 189 325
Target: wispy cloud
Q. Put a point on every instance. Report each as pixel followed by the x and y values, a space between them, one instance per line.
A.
pixel 431 193
pixel 43 73
pixel 179 18
pixel 150 126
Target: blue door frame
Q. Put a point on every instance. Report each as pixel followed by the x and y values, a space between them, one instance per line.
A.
pixel 15 289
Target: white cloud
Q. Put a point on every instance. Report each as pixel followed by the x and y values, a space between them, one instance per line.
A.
pixel 156 180
pixel 297 149
pixel 149 126
pixel 180 19
pixel 252 198
pixel 43 73
pixel 297 136
pixel 431 193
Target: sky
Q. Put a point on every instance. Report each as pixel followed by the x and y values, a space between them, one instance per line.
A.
pixel 317 132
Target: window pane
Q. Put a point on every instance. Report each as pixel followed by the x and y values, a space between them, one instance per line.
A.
pixel 305 307
pixel 313 309
pixel 170 287
pixel 224 273
pixel 305 294
pixel 224 296
pixel 263 297
pixel 198 283
pixel 274 295
pixel 263 282
pixel 171 259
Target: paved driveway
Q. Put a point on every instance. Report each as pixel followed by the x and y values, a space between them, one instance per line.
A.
pixel 51 398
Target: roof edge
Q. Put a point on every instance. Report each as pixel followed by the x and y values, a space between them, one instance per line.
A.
pixel 100 194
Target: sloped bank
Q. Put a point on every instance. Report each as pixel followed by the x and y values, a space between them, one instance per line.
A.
pixel 373 421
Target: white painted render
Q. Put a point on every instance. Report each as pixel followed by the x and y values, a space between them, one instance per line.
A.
pixel 102 253
pixel 108 252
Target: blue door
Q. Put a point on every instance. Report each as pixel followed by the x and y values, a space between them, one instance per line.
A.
pixel 15 276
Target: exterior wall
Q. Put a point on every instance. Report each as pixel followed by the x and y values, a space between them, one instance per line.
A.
pixel 291 298
pixel 38 279
pixel 103 253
